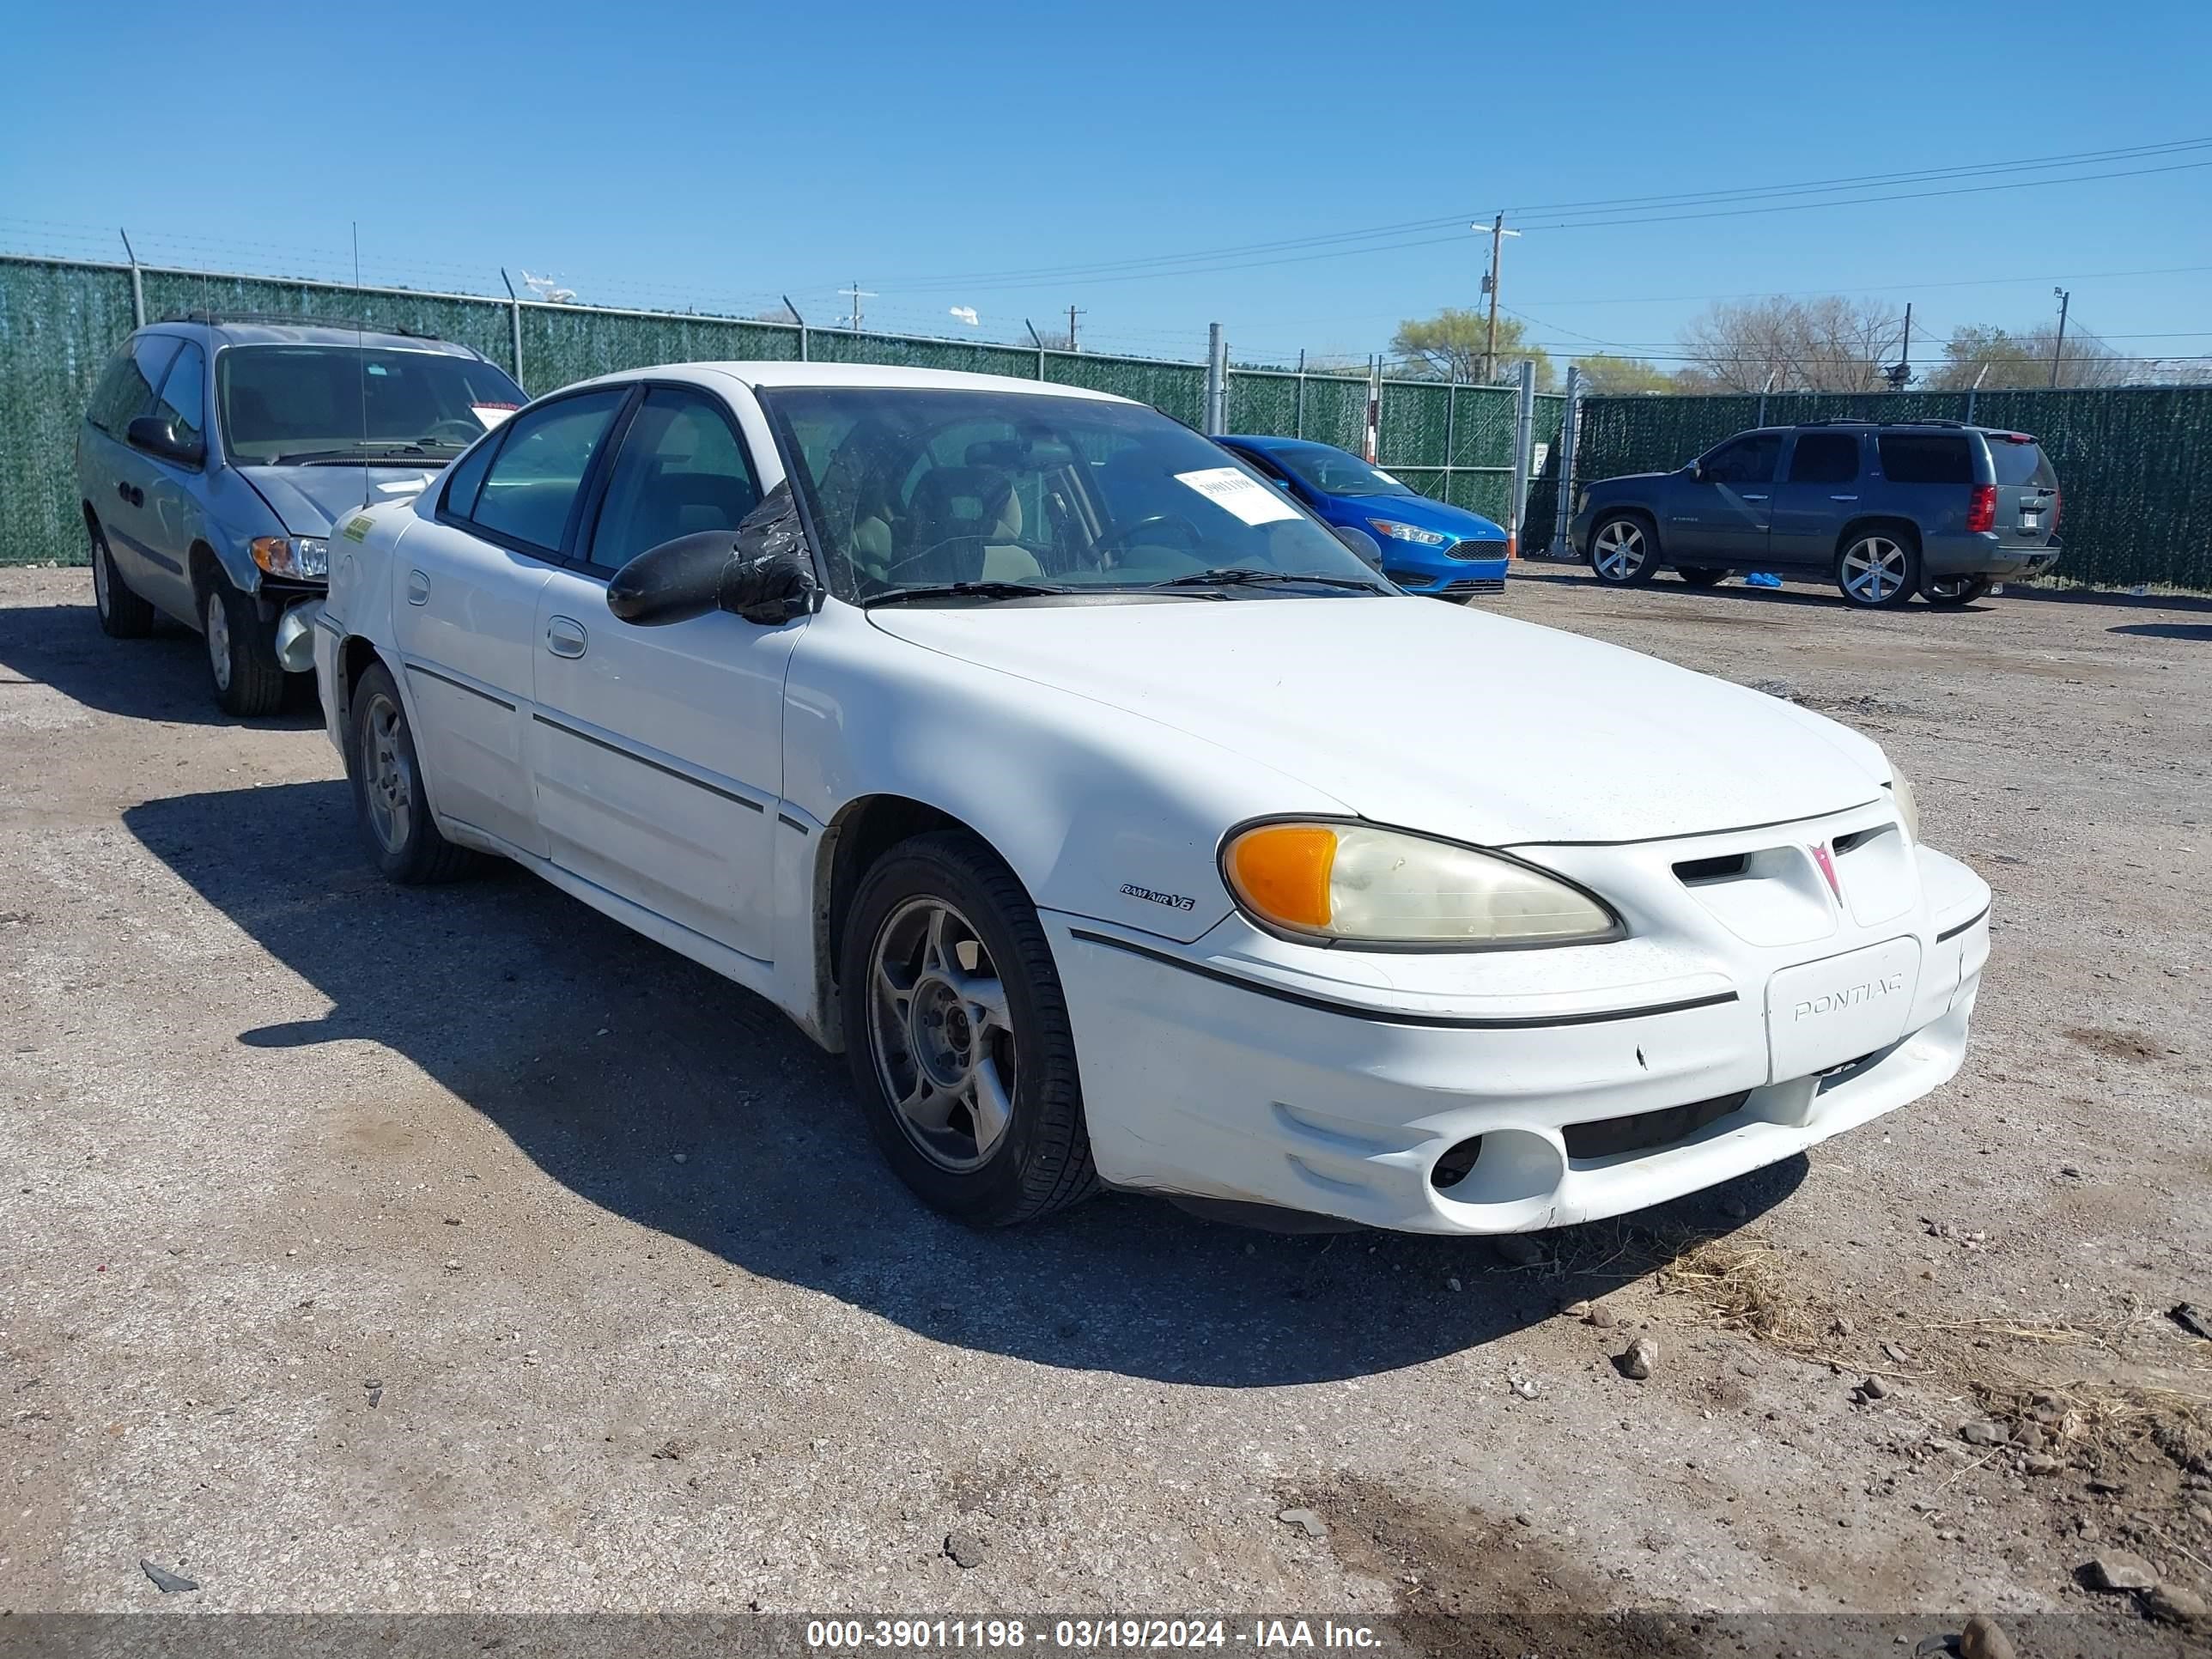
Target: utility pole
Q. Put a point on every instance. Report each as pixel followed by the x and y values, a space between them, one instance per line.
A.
pixel 2058 346
pixel 857 293
pixel 1498 235
pixel 1072 314
pixel 1904 357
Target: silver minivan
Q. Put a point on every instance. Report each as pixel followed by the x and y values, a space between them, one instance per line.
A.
pixel 219 455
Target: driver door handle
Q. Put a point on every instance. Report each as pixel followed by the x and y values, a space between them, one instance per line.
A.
pixel 565 637
pixel 1750 497
pixel 1843 498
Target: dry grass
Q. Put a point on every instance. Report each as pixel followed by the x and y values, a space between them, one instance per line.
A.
pixel 1744 1284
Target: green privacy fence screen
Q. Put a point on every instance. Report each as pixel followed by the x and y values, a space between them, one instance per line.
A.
pixel 2132 463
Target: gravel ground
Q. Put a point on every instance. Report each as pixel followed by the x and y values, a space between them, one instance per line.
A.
pixel 389 1250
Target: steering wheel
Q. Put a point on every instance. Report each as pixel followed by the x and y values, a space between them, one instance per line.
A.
pixel 1121 533
pixel 464 432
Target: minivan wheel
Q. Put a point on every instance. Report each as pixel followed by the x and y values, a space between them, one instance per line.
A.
pixel 1622 552
pixel 1950 592
pixel 1701 575
pixel 1878 569
pixel 958 1035
pixel 241 650
pixel 123 614
pixel 388 797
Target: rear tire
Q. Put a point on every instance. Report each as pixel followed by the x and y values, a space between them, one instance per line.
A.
pixel 1624 550
pixel 1701 575
pixel 123 614
pixel 958 1033
pixel 1952 591
pixel 241 650
pixel 1878 569
pixel 388 797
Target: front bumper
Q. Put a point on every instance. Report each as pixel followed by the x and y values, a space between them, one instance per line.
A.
pixel 1436 575
pixel 1216 1070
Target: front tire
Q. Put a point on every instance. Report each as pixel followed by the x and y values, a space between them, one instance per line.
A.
pixel 241 650
pixel 958 1035
pixel 1624 551
pixel 1701 575
pixel 1878 569
pixel 388 797
pixel 123 614
pixel 1950 592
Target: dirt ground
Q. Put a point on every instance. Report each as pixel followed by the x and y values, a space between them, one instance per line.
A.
pixel 454 1249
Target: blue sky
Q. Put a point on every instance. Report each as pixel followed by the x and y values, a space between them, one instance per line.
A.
pixel 716 157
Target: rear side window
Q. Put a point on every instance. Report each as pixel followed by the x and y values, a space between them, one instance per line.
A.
pixel 1914 458
pixel 2020 461
pixel 127 388
pixel 532 485
pixel 1825 458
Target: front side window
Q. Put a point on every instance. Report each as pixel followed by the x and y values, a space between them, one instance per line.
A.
pixel 1745 460
pixel 126 390
pixel 913 488
pixel 681 470
pixel 1825 458
pixel 532 483
pixel 183 402
pixel 294 405
pixel 1926 458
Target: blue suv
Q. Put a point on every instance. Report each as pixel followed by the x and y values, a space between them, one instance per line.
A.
pixel 219 455
pixel 1428 546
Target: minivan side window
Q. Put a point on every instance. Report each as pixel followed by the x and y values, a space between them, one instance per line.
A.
pixel 532 483
pixel 183 402
pixel 1926 458
pixel 1825 458
pixel 1746 460
pixel 127 388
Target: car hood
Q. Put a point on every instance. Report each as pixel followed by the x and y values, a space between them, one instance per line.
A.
pixel 310 501
pixel 1432 718
pixel 1421 513
pixel 1597 484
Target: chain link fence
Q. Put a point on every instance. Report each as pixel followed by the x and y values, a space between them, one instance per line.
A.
pixel 2131 462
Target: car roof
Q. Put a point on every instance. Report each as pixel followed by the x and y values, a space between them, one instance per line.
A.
pixel 226 330
pixel 880 377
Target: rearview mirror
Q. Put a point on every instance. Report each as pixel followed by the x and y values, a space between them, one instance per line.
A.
pixel 158 438
pixel 761 571
pixel 1369 549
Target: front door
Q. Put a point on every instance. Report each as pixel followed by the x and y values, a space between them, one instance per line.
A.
pixel 1719 515
pixel 171 515
pixel 466 616
pixel 657 751
pixel 1818 492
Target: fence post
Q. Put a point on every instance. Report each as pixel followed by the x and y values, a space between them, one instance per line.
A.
pixel 1761 421
pixel 1524 434
pixel 1037 340
pixel 1217 379
pixel 1451 420
pixel 1569 438
pixel 1970 406
pixel 801 321
pixel 514 324
pixel 1299 428
pixel 138 285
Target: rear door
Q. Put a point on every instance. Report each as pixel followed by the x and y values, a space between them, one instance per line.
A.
pixel 2028 489
pixel 1819 490
pixel 1722 513
pixel 116 484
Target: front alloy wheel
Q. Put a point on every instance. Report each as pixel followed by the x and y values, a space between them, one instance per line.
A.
pixel 241 650
pixel 942 1038
pixel 1621 553
pixel 1877 570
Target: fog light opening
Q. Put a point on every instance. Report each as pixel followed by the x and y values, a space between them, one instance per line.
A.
pixel 1455 1165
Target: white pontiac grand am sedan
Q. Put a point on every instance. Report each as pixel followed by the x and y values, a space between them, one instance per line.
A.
pixel 1021 742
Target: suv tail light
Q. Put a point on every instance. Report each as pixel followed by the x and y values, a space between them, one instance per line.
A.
pixel 1981 509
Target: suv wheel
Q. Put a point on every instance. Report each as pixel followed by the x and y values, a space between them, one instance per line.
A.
pixel 1701 575
pixel 1878 569
pixel 123 614
pixel 1622 551
pixel 1950 592
pixel 242 650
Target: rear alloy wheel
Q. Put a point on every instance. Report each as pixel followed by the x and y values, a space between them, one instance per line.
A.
pixel 123 614
pixel 1950 592
pixel 1701 575
pixel 1878 570
pixel 1621 552
pixel 241 650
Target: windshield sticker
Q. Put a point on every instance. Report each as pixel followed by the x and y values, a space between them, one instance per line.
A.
pixel 1239 493
pixel 358 526
pixel 492 414
pixel 1388 479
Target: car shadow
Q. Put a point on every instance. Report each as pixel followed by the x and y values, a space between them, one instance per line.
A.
pixel 602 1057
pixel 1807 593
pixel 163 677
pixel 2165 631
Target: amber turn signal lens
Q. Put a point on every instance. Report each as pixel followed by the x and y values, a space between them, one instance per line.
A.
pixel 1282 870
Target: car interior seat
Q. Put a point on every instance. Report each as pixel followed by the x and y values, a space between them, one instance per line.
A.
pixel 968 521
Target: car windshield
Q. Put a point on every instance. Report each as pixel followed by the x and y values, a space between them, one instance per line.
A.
pixel 1335 471
pixel 297 404
pixel 928 487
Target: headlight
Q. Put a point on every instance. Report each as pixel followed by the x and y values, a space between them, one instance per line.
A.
pixel 1353 882
pixel 1907 807
pixel 292 555
pixel 1408 532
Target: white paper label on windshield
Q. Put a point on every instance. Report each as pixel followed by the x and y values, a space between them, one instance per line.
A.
pixel 1239 493
pixel 1386 478
pixel 491 414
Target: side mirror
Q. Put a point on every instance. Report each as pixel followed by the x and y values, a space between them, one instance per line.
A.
pixel 760 571
pixel 157 437
pixel 1697 472
pixel 1369 549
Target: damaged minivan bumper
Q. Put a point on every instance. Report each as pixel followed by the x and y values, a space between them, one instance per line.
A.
pixel 295 636
pixel 1552 1087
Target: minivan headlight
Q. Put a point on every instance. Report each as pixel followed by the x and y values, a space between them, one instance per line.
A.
pixel 1355 882
pixel 292 555
pixel 1908 808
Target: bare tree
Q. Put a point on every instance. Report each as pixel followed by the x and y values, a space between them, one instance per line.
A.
pixel 2001 358
pixel 1832 343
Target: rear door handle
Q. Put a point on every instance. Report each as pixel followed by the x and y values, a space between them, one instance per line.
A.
pixel 418 588
pixel 1754 498
pixel 565 637
pixel 1843 498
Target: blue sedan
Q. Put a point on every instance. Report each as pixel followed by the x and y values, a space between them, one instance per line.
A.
pixel 1428 547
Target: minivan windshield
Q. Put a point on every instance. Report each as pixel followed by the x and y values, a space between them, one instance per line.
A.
pixel 916 490
pixel 289 405
pixel 1335 471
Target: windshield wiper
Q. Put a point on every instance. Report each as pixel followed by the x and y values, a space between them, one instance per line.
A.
pixel 362 455
pixel 962 590
pixel 1243 575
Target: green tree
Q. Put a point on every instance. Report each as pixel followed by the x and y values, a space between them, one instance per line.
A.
pixel 1602 372
pixel 1450 346
pixel 2000 358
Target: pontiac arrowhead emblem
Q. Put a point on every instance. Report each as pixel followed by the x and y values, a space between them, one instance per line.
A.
pixel 1820 856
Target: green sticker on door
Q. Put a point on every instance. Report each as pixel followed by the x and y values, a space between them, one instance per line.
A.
pixel 357 527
